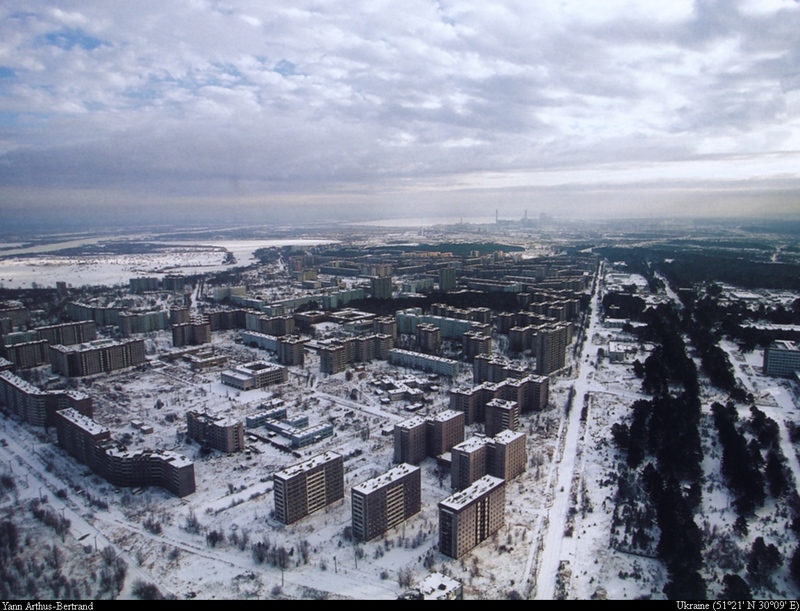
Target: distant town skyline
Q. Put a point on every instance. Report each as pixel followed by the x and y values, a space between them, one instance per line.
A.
pixel 114 113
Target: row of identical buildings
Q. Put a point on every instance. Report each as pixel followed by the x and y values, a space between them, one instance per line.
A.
pixel 480 468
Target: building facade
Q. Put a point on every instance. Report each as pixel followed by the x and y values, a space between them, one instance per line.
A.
pixel 223 434
pixel 100 356
pixel 308 487
pixel 385 501
pixel 781 358
pixel 471 516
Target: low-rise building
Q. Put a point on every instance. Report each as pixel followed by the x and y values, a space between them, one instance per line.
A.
pixel 256 374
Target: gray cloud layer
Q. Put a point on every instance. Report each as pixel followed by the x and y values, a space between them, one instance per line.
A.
pixel 433 104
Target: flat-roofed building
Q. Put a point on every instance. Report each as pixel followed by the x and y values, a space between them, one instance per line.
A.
pixel 256 374
pixel 385 325
pixel 332 358
pixel 220 433
pixel 468 462
pixel 309 486
pixel 99 356
pixel 410 442
pixel 28 354
pixel 501 415
pixel 291 350
pixel 444 430
pixel 781 358
pixel 429 338
pixel 38 407
pixel 474 343
pixel 197 331
pixel 91 444
pixel 472 515
pixel 425 362
pixel 385 501
pixel 507 457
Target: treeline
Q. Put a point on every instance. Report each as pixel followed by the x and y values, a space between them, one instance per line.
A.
pixel 665 429
pixel 686 266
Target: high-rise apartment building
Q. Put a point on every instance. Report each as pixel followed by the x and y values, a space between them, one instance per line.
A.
pixel 507 457
pixel 309 486
pixel 410 441
pixel 443 431
pixel 429 338
pixel 91 444
pixel 291 350
pixel 501 415
pixel 468 462
pixel 219 433
pixel 381 287
pixel 447 278
pixel 471 516
pixel 385 501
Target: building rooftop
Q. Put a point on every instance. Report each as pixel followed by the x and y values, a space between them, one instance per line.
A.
pixel 508 436
pixel 461 499
pixel 437 586
pixel 307 465
pixel 387 478
pixel 411 423
pixel 471 444
pixel 446 415
pixel 84 422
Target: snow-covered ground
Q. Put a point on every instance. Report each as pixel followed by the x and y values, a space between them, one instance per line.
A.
pixel 556 542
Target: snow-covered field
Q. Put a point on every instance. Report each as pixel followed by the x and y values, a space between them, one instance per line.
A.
pixel 42 267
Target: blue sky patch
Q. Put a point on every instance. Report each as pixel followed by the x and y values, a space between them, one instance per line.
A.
pixel 285 68
pixel 68 39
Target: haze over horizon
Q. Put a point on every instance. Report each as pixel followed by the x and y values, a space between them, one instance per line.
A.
pixel 117 113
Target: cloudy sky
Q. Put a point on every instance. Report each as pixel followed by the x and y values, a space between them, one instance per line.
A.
pixel 339 109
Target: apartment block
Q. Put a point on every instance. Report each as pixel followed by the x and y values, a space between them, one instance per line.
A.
pixel 417 360
pixel 291 350
pixel 507 455
pixel 781 358
pixel 501 415
pixel 99 356
pixel 385 501
pixel 381 287
pixel 443 431
pixel 197 331
pixel 68 333
pixel 471 516
pixel 219 433
pixel 91 444
pixel 332 358
pixel 447 278
pixel 385 325
pixel 429 338
pixel 142 322
pixel 27 354
pixel 38 407
pixel 410 441
pixel 307 487
pixel 474 343
pixel 468 462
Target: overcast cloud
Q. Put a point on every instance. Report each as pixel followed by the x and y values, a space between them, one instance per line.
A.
pixel 416 106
